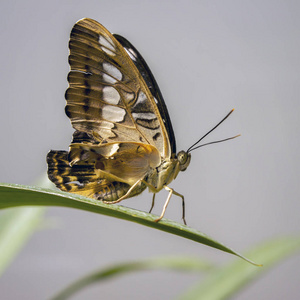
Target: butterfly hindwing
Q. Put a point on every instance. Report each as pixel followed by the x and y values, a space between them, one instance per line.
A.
pixel 83 178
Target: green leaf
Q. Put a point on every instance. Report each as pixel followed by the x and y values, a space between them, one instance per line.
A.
pixel 18 195
pixel 171 263
pixel 222 283
pixel 16 226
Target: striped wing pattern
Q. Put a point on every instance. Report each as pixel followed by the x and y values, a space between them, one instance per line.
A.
pixel 82 178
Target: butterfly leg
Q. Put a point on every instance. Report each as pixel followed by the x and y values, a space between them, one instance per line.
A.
pixel 183 206
pixel 152 205
pixel 171 191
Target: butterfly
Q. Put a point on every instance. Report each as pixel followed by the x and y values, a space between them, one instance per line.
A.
pixel 124 140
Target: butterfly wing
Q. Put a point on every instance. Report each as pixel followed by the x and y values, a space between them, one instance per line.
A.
pixel 83 178
pixel 107 95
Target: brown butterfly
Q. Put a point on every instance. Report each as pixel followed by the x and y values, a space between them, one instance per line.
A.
pixel 124 140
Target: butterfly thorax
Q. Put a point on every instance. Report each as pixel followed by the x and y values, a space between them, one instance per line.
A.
pixel 167 171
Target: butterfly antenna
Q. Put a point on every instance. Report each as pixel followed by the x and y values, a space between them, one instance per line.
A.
pixel 215 142
pixel 191 148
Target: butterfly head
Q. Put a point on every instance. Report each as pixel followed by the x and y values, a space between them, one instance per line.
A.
pixel 184 159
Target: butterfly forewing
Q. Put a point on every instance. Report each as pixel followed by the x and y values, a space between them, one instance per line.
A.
pixel 107 97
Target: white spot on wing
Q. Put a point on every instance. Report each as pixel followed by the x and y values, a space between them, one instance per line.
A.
pixel 107 45
pixel 109 79
pixel 106 129
pixel 106 125
pixel 113 113
pixel 108 51
pixel 130 53
pixel 111 95
pixel 112 70
pixel 114 149
pixel 141 98
pixel 144 116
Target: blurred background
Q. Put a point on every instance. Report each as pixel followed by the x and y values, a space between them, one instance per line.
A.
pixel 208 57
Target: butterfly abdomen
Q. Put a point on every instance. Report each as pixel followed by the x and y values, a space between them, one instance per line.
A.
pixel 112 191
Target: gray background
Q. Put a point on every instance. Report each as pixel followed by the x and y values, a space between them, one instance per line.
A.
pixel 208 57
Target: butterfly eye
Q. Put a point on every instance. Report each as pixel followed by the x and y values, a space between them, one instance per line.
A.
pixel 184 159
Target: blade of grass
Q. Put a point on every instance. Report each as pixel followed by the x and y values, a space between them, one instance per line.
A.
pixel 17 195
pixel 222 283
pixel 16 226
pixel 170 263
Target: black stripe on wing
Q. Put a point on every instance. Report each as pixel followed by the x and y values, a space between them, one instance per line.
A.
pixel 148 77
